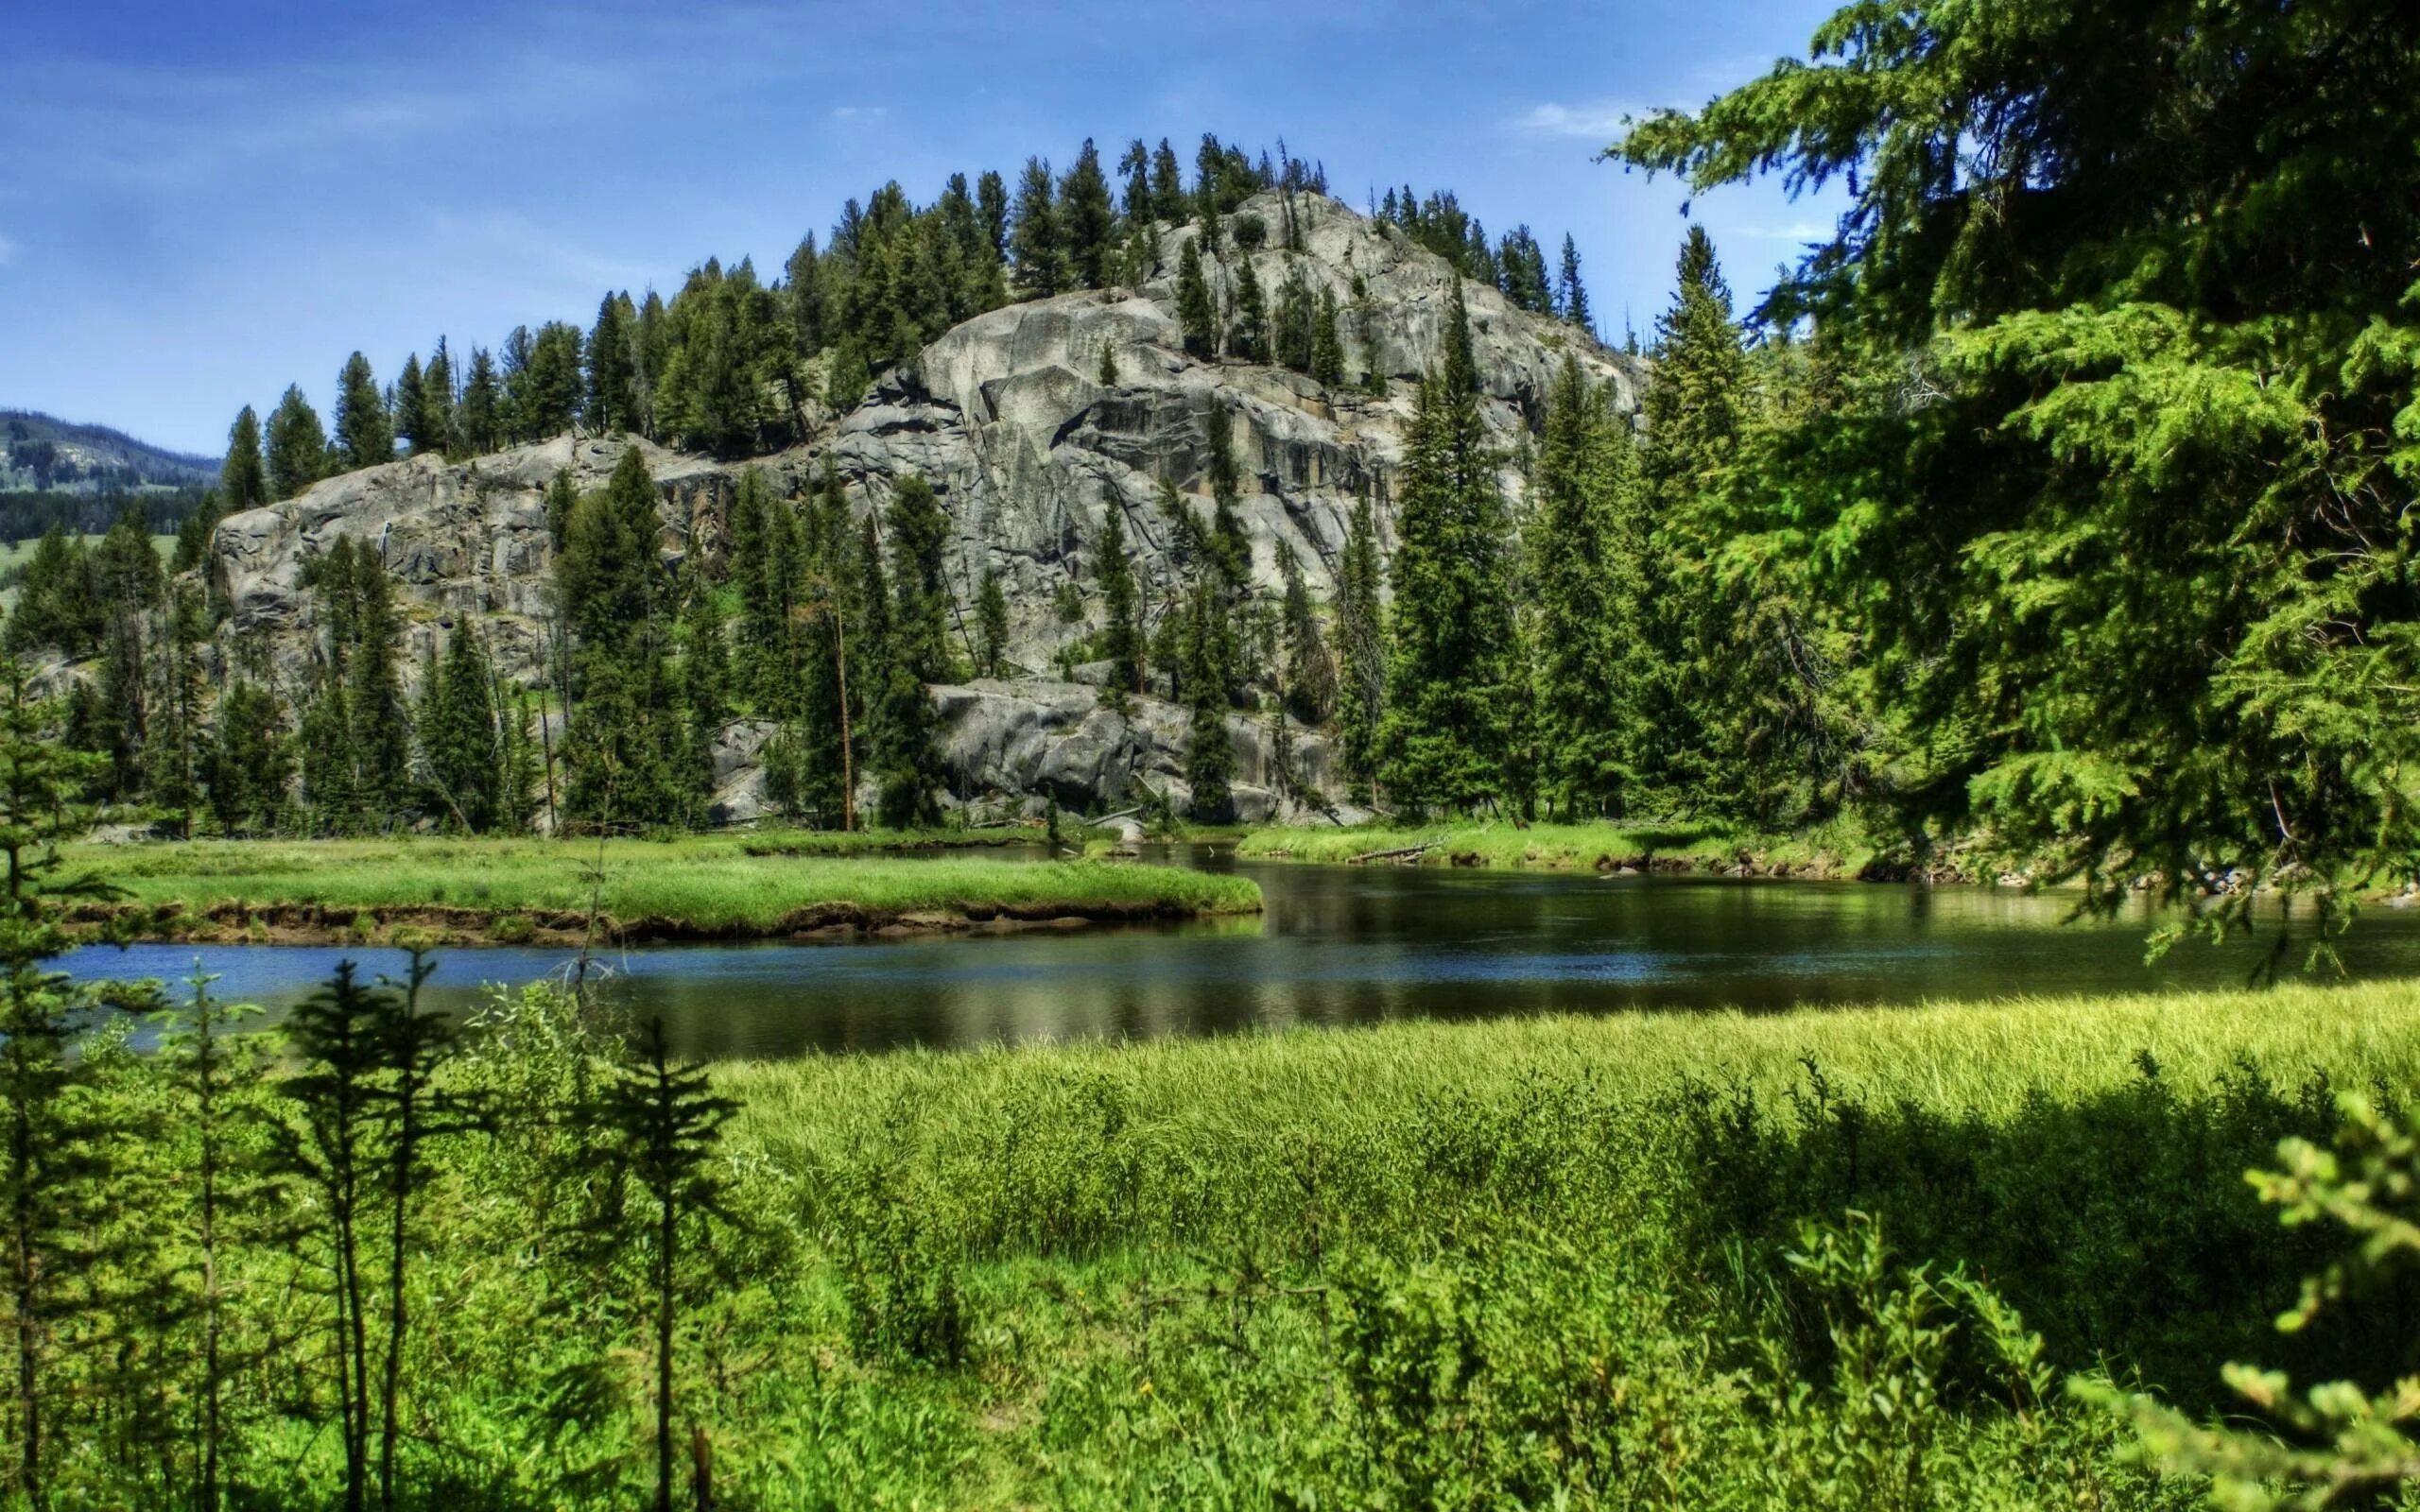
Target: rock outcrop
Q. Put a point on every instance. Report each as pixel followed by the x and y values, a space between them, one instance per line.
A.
pixel 1013 420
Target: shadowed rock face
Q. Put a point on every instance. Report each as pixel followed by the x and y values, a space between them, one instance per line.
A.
pixel 1008 416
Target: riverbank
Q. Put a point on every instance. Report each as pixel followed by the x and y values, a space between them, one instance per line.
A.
pixel 1832 852
pixel 527 891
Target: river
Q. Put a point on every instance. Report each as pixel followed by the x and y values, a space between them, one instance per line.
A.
pixel 1344 945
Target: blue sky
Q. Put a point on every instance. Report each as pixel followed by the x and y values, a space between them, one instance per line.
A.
pixel 199 204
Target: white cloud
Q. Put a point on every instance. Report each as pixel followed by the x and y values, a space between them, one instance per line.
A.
pixel 859 112
pixel 1599 121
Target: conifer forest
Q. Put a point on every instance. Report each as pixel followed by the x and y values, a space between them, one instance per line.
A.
pixel 1151 830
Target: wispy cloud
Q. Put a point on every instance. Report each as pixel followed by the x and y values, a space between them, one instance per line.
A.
pixel 1596 120
pixel 7 251
pixel 867 113
pixel 1797 233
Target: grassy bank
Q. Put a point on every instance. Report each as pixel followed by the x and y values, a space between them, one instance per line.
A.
pixel 1656 1261
pixel 695 887
pixel 1834 851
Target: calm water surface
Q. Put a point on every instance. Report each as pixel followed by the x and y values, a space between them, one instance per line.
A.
pixel 1344 945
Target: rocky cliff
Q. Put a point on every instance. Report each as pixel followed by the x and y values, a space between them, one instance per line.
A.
pixel 1015 419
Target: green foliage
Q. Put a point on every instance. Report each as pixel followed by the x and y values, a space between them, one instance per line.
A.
pixel 1586 543
pixel 1450 631
pixel 2099 453
pixel 298 447
pixel 364 434
pixel 915 653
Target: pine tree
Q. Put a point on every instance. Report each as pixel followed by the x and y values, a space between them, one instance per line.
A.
pixel 1087 222
pixel 1585 551
pixel 991 626
pixel 60 604
pixel 1310 671
pixel 51 1168
pixel 1696 419
pixel 1122 633
pixel 1297 328
pixel 1571 294
pixel 1038 243
pixel 252 760
pixel 561 497
pixel 365 432
pixel 1249 340
pixel 243 477
pixel 459 742
pixel 1210 655
pixel 436 402
pixel 410 411
pixel 298 447
pixel 611 399
pixel 175 745
pixel 1327 347
pixel 664 1191
pixel 1169 205
pixel 1197 314
pixel 382 738
pixel 991 213
pixel 917 653
pixel 624 740
pixel 1451 630
pixel 481 419
pixel 1361 650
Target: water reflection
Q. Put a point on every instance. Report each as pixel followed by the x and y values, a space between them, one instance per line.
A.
pixel 1343 945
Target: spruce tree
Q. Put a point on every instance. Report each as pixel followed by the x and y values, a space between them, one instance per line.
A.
pixel 1113 569
pixel 624 744
pixel 1196 312
pixel 1310 671
pixel 460 746
pixel 916 652
pixel 243 477
pixel 436 402
pixel 175 747
pixel 252 760
pixel 1211 655
pixel 364 431
pixel 1249 339
pixel 1696 414
pixel 611 399
pixel 1087 221
pixel 381 739
pixel 664 1191
pixel 411 422
pixel 1037 243
pixel 1571 294
pixel 481 419
pixel 1361 650
pixel 1327 347
pixel 1587 590
pixel 1297 329
pixel 991 213
pixel 1169 205
pixel 991 626
pixel 298 447
pixel 1451 628
pixel 51 1169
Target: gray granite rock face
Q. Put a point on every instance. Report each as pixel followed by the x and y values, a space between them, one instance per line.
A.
pixel 1008 418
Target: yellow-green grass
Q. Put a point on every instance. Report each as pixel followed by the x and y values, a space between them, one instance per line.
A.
pixel 1830 851
pixel 703 887
pixel 1986 1057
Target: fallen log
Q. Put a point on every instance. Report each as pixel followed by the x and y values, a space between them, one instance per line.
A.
pixel 1402 853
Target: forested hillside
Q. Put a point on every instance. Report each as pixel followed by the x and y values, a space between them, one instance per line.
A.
pixel 2053 512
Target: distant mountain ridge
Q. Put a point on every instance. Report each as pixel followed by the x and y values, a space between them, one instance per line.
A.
pixel 46 455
